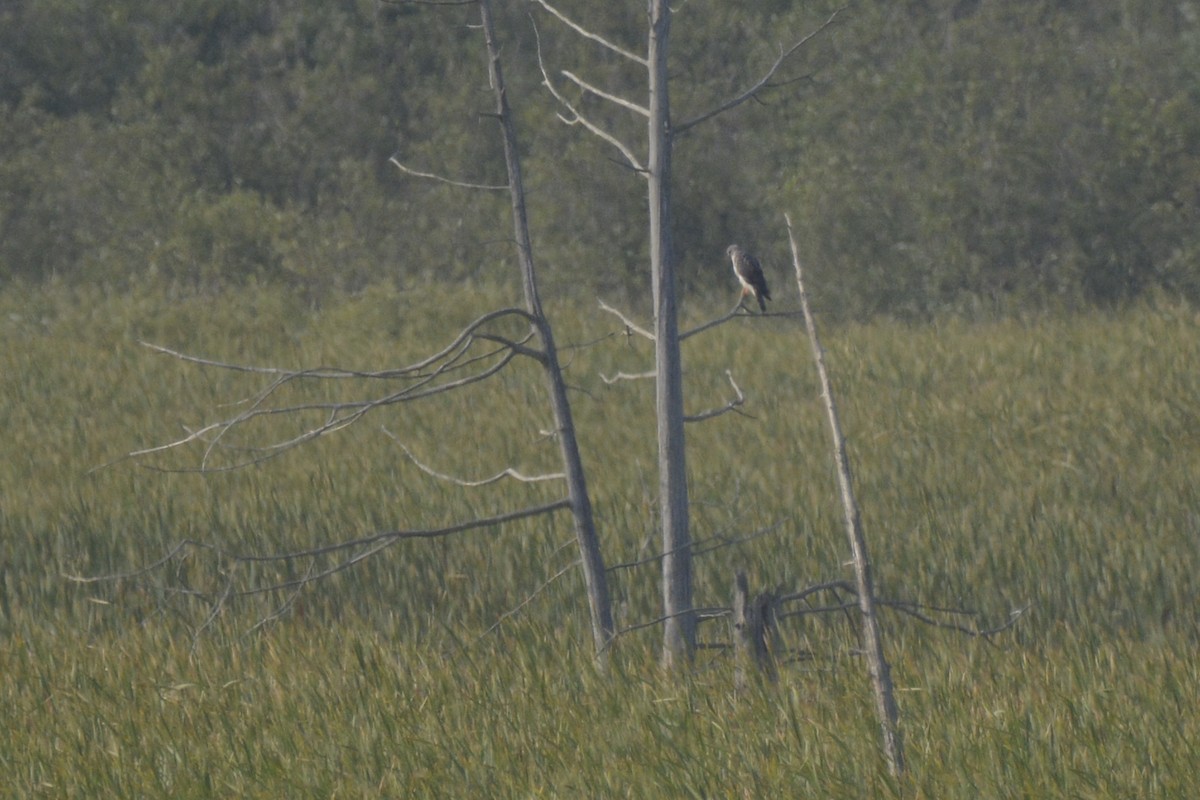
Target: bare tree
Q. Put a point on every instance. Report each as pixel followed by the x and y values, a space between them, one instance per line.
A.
pixel 679 626
pixel 481 350
pixel 872 635
pixel 581 506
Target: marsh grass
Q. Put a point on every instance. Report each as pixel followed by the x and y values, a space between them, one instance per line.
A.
pixel 1050 463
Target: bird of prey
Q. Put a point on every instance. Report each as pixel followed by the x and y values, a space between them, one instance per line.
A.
pixel 749 273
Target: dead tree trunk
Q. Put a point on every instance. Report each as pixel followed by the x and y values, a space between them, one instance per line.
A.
pixel 679 633
pixel 581 504
pixel 872 637
pixel 679 629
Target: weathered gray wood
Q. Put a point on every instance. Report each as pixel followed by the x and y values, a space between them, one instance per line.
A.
pixel 679 629
pixel 753 620
pixel 594 573
pixel 872 637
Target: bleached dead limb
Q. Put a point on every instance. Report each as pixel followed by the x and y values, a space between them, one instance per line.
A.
pixel 592 560
pixel 630 325
pixel 626 376
pixel 425 378
pixel 612 98
pixel 489 187
pixel 761 84
pixel 579 29
pixel 338 416
pixel 872 635
pixel 499 476
pixel 336 372
pixel 735 404
pixel 577 117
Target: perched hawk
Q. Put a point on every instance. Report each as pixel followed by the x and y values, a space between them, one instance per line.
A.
pixel 749 273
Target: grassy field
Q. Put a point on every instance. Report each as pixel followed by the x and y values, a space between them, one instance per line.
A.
pixel 1052 463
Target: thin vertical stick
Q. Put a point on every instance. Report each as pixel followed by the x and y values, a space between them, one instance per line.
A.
pixel 872 638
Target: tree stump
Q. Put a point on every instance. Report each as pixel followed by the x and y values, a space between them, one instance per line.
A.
pixel 752 623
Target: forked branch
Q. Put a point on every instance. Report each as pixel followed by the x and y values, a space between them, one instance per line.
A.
pixel 758 86
pixel 577 118
pixel 453 367
pixel 735 404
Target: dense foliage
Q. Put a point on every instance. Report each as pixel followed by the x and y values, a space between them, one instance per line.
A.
pixel 935 153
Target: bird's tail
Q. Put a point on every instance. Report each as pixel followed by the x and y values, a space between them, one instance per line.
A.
pixel 762 303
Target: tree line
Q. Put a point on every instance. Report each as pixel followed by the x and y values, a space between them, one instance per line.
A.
pixel 934 154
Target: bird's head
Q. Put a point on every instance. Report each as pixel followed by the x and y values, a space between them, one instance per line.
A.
pixel 732 249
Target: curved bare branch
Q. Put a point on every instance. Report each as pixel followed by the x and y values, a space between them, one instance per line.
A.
pixel 506 473
pixel 426 378
pixel 630 325
pixel 714 323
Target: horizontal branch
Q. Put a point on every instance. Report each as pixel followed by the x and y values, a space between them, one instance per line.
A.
pixel 715 322
pixel 506 473
pixel 579 29
pixel 375 542
pixel 419 533
pixel 627 376
pixel 324 373
pixel 911 610
pixel 759 85
pixel 518 348
pixel 701 547
pixel 840 586
pixel 489 187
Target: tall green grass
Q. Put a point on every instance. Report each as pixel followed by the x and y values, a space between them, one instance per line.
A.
pixel 1049 463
